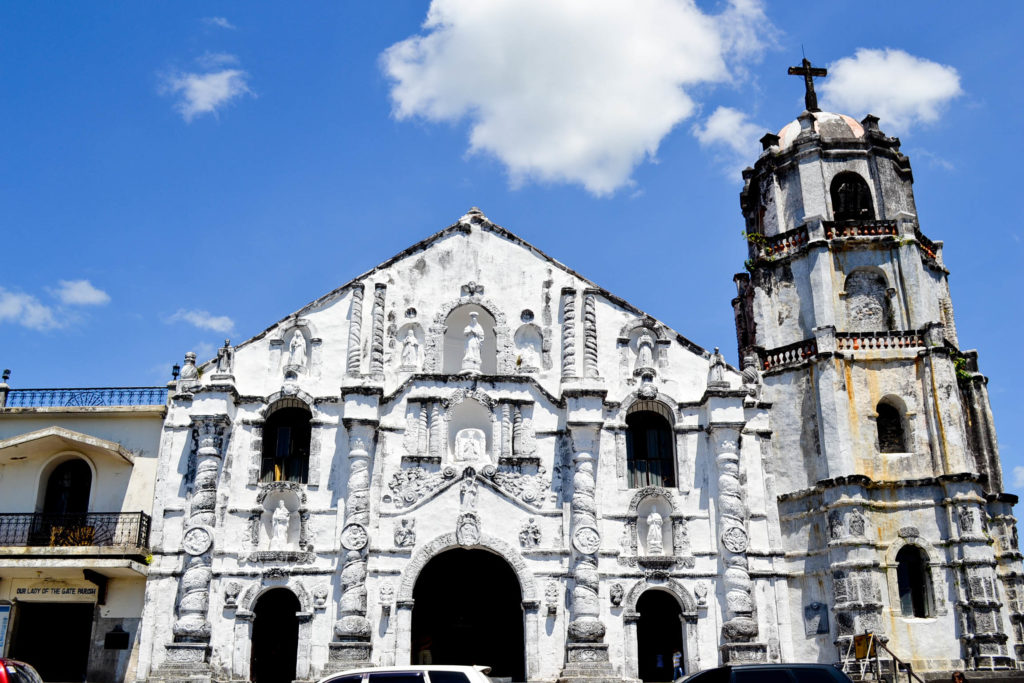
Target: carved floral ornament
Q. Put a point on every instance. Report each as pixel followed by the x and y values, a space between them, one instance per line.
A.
pixel 734 539
pixel 586 540
pixel 354 537
pixel 197 540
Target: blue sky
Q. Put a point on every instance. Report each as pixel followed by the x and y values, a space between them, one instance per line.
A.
pixel 176 173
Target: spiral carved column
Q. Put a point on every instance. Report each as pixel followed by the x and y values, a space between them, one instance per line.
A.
pixel 355 326
pixel 568 333
pixel 740 629
pixel 589 334
pixel 191 630
pixel 586 651
pixel 351 644
pixel 377 340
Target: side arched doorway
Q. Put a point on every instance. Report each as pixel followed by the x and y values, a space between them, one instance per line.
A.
pixel 467 609
pixel 659 635
pixel 275 637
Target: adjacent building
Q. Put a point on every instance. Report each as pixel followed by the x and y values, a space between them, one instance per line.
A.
pixel 77 468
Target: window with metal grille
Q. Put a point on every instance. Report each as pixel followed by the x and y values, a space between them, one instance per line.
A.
pixel 650 450
pixel 286 438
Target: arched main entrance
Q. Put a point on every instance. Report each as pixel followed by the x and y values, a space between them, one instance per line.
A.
pixel 659 634
pixel 275 637
pixel 468 609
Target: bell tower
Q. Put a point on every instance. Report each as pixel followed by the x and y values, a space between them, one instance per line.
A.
pixel 881 423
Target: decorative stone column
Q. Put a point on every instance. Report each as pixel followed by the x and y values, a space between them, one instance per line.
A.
pixel 589 333
pixel 586 651
pixel 377 339
pixel 355 326
pixel 190 650
pixel 740 629
pixel 351 646
pixel 568 333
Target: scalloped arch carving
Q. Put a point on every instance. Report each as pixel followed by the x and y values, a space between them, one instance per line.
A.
pixel 248 600
pixel 277 396
pixel 650 323
pixel 686 601
pixel 653 492
pixel 444 542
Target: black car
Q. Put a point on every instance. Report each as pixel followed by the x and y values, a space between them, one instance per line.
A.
pixel 771 673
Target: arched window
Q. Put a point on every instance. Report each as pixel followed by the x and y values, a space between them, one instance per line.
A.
pixel 891 438
pixel 67 488
pixel 914 583
pixel 286 437
pixel 851 198
pixel 650 454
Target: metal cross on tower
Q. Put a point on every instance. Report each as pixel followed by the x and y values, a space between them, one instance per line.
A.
pixel 808 72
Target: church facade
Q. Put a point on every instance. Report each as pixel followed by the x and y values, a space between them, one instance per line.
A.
pixel 473 454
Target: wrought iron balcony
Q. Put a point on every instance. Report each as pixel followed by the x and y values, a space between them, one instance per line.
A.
pixel 111 529
pixel 85 397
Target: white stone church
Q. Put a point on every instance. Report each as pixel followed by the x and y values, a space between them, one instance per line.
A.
pixel 473 454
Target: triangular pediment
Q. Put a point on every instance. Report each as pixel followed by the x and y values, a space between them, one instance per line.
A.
pixel 57 439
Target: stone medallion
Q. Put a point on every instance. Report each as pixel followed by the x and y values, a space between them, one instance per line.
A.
pixel 353 537
pixel 734 539
pixel 197 540
pixel 586 540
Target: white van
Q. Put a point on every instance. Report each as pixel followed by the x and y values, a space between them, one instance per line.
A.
pixel 432 673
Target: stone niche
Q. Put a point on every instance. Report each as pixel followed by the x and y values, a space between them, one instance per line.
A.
pixel 278 523
pixel 654 527
pixel 455 340
pixel 470 432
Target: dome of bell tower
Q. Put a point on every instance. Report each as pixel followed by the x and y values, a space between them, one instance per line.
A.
pixel 826 124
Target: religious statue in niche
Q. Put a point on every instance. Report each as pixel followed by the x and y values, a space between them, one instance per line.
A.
pixel 470 444
pixel 280 521
pixel 297 350
pixel 528 356
pixel 405 533
pixel 644 353
pixel 410 351
pixel 474 334
pixel 654 534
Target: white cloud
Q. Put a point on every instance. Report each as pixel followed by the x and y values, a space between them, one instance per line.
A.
pixel 1018 477
pixel 577 91
pixel 899 88
pixel 80 293
pixel 220 22
pixel 729 128
pixel 203 319
pixel 26 310
pixel 205 93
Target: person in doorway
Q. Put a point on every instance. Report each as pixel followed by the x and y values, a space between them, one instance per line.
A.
pixel 677 664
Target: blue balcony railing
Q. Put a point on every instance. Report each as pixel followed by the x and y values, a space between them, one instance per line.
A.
pixel 85 397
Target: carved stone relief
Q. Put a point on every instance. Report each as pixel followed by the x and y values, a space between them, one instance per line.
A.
pixel 529 534
pixel 405 533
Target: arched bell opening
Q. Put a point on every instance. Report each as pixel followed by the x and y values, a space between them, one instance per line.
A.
pixel 659 635
pixel 468 609
pixel 275 637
